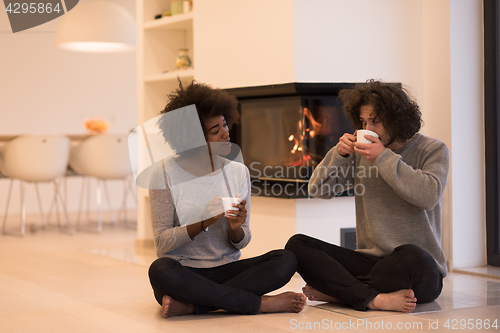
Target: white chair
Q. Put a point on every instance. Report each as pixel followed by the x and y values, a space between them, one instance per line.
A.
pixel 104 157
pixel 34 159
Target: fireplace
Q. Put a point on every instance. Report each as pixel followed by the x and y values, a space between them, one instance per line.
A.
pixel 285 131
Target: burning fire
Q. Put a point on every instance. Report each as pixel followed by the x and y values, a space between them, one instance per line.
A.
pixel 298 139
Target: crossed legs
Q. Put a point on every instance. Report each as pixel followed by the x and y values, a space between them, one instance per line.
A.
pixel 236 287
pixel 396 282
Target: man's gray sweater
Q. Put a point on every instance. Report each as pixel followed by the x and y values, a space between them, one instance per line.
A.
pixel 398 197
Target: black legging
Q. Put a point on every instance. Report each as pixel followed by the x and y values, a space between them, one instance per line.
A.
pixel 355 278
pixel 235 287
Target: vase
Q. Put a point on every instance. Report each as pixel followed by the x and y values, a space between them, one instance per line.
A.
pixel 183 60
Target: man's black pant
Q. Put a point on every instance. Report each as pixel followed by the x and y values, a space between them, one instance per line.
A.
pixel 355 278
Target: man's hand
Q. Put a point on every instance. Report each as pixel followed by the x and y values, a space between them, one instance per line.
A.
pixel 369 151
pixel 346 144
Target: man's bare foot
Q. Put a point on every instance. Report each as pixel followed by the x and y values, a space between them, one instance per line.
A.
pixel 314 295
pixel 170 307
pixel 285 302
pixel 402 300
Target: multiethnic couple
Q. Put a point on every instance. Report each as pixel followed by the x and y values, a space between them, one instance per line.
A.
pixel 398 262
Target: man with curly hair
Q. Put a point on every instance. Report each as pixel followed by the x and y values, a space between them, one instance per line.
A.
pixel 198 246
pixel 399 260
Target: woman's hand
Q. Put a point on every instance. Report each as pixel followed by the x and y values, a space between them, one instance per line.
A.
pixel 213 213
pixel 213 210
pixel 235 218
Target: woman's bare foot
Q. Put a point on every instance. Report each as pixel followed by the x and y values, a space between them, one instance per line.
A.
pixel 314 295
pixel 285 302
pixel 402 300
pixel 170 307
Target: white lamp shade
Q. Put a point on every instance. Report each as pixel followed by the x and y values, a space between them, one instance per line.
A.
pixel 96 26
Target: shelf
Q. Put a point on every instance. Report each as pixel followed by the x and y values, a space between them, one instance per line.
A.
pixel 176 22
pixel 183 74
pixel 158 42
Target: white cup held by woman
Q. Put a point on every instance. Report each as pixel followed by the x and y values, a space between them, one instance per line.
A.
pixel 227 204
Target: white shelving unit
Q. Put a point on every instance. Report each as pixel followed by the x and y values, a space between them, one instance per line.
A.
pixel 185 74
pixel 177 22
pixel 158 43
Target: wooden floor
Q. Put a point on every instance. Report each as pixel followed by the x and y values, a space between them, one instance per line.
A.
pixel 55 282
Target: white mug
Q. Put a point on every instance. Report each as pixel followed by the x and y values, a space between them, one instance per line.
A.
pixel 227 203
pixel 361 136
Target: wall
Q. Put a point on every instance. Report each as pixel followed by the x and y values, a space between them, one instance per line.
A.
pixel 353 41
pixel 323 219
pixel 357 40
pixel 467 134
pixel 437 95
pixel 244 43
pixel 273 222
pixel 45 89
pixel 453 112
pixel 433 47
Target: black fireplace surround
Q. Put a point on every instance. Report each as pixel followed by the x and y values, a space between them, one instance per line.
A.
pixel 285 131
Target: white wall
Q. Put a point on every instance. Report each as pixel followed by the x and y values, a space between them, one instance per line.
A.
pixel 437 95
pixel 273 222
pixel 45 89
pixel 323 219
pixel 353 41
pixel 262 42
pixel 433 47
pixel 243 43
pixel 453 112
pixel 467 133
pixel 356 40
pixel 247 43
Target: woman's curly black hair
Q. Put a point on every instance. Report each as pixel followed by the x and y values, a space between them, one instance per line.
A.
pixel 400 115
pixel 209 102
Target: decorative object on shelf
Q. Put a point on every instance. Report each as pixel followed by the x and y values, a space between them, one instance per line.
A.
pixel 187 6
pixel 183 60
pixel 176 7
pixel 97 26
pixel 96 126
pixel 165 14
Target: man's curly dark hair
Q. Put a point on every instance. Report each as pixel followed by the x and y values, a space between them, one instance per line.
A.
pixel 400 115
pixel 209 102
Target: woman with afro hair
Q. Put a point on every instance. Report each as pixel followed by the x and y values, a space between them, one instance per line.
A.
pixel 198 269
